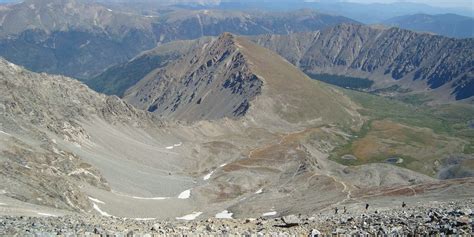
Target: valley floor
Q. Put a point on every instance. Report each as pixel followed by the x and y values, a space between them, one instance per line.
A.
pixel 419 218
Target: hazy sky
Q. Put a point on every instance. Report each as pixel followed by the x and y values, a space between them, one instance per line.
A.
pixel 440 3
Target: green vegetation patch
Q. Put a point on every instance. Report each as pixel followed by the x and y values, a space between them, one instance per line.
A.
pixel 419 134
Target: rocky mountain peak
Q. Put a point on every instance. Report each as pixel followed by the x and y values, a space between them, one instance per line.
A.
pixel 231 77
pixel 212 82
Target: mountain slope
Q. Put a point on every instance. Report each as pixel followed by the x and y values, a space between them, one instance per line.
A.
pixel 118 78
pixel 42 119
pixel 419 62
pixel 229 75
pixel 450 25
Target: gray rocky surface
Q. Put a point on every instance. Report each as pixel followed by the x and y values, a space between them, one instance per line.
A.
pixel 448 218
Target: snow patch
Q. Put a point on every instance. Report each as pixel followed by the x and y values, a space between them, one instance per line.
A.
pixel 3 191
pixel 2 204
pixel 108 9
pixel 150 198
pixel 144 219
pixel 185 194
pixel 5 133
pixel 96 200
pixel 174 145
pixel 141 198
pixel 208 176
pixel 44 214
pixel 272 213
pixel 83 171
pixel 224 215
pixel 259 191
pixel 55 150
pixel 189 217
pixel 99 210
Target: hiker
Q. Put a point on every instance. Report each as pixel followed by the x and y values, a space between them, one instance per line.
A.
pixel 335 210
pixel 366 206
pixel 404 205
pixel 345 210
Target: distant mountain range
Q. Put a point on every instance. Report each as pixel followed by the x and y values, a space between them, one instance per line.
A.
pixel 80 39
pixel 451 25
pixel 367 13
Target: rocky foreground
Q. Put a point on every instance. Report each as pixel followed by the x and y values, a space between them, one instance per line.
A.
pixel 453 218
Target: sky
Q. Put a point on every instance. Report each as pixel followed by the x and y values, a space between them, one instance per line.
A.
pixel 438 3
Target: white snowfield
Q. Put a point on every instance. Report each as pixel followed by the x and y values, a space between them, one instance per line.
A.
pixel 224 215
pixel 150 198
pixel 45 214
pixel 96 207
pixel 145 219
pixel 259 191
pixel 5 133
pixel 96 200
pixel 272 213
pixel 174 145
pixel 208 176
pixel 189 217
pixel 185 194
pixel 140 198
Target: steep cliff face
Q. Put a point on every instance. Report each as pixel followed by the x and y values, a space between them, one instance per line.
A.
pixel 388 56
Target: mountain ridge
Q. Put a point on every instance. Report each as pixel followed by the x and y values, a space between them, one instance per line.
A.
pixel 79 38
pixel 450 25
pixel 387 57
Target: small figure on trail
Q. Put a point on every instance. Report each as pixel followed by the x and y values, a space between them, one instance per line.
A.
pixel 345 210
pixel 366 206
pixel 404 205
pixel 335 210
